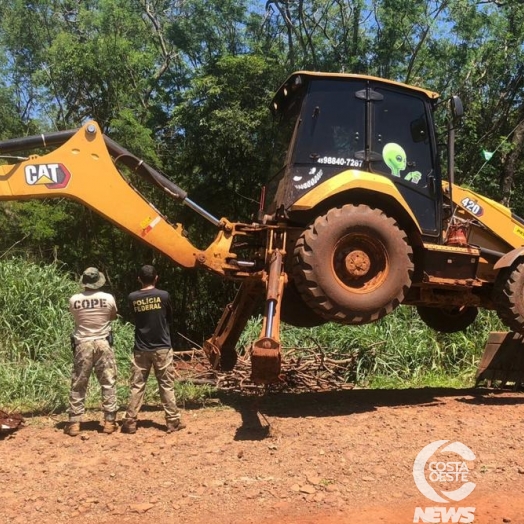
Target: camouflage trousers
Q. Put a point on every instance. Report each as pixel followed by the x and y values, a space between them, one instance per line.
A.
pixel 99 356
pixel 162 362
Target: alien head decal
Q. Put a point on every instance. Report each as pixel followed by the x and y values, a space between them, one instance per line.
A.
pixel 396 159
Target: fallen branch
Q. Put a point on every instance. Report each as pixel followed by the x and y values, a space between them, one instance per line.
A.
pixel 309 369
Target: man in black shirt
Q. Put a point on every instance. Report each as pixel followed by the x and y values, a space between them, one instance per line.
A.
pixel 153 315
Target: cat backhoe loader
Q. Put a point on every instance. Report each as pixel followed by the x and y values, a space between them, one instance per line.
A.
pixel 356 220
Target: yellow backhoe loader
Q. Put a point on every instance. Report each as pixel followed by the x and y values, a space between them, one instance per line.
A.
pixel 356 221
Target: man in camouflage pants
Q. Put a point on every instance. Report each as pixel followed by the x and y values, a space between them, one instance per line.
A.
pixel 92 310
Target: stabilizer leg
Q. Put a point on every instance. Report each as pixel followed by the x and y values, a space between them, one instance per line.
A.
pixel 220 349
pixel 266 351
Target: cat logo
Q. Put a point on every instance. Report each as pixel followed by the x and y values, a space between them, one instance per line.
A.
pixel 53 176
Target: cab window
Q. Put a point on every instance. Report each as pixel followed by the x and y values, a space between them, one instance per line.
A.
pixel 331 128
pixel 400 139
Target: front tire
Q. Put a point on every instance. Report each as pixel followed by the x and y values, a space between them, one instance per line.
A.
pixel 353 265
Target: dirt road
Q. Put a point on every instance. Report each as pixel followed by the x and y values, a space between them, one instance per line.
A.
pixel 287 458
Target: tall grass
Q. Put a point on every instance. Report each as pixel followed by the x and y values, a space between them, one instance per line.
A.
pixel 398 350
pixel 34 333
pixel 36 359
pixel 35 352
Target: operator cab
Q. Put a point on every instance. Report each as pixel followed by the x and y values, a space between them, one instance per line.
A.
pixel 334 123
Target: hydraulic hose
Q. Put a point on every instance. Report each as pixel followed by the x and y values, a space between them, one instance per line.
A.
pixel 34 141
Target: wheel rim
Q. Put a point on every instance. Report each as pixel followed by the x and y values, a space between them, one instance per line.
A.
pixel 360 263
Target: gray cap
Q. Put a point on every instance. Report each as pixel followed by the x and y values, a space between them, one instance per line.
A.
pixel 92 278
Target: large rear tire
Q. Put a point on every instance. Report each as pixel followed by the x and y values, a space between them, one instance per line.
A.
pixel 448 319
pixel 508 296
pixel 353 265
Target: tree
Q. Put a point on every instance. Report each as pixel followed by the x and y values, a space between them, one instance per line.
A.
pixel 186 86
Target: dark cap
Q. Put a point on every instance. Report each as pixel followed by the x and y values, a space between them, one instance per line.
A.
pixel 92 278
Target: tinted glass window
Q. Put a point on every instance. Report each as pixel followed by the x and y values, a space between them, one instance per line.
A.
pixel 332 123
pixel 287 115
pixel 400 138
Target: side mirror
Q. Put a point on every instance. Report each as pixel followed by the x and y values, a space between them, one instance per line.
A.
pixel 457 109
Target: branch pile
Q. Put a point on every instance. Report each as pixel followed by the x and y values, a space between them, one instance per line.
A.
pixel 303 369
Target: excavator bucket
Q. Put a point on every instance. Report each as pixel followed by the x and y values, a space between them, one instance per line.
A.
pixel 265 353
pixel 502 363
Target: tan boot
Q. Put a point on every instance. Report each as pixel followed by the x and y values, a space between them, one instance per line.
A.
pixel 110 426
pixel 72 429
pixel 129 426
pixel 175 425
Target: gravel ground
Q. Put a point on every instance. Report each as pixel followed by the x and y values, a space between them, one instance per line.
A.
pixel 338 456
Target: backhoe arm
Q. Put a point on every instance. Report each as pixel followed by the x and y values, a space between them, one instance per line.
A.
pixel 83 168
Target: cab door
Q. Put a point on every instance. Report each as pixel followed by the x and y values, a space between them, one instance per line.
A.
pixel 403 148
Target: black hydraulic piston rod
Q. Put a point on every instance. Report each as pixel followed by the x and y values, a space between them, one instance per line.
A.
pixel 160 180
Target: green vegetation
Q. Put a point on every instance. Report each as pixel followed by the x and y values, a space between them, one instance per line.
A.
pixel 35 351
pixel 397 351
pixel 35 354
pixel 186 86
